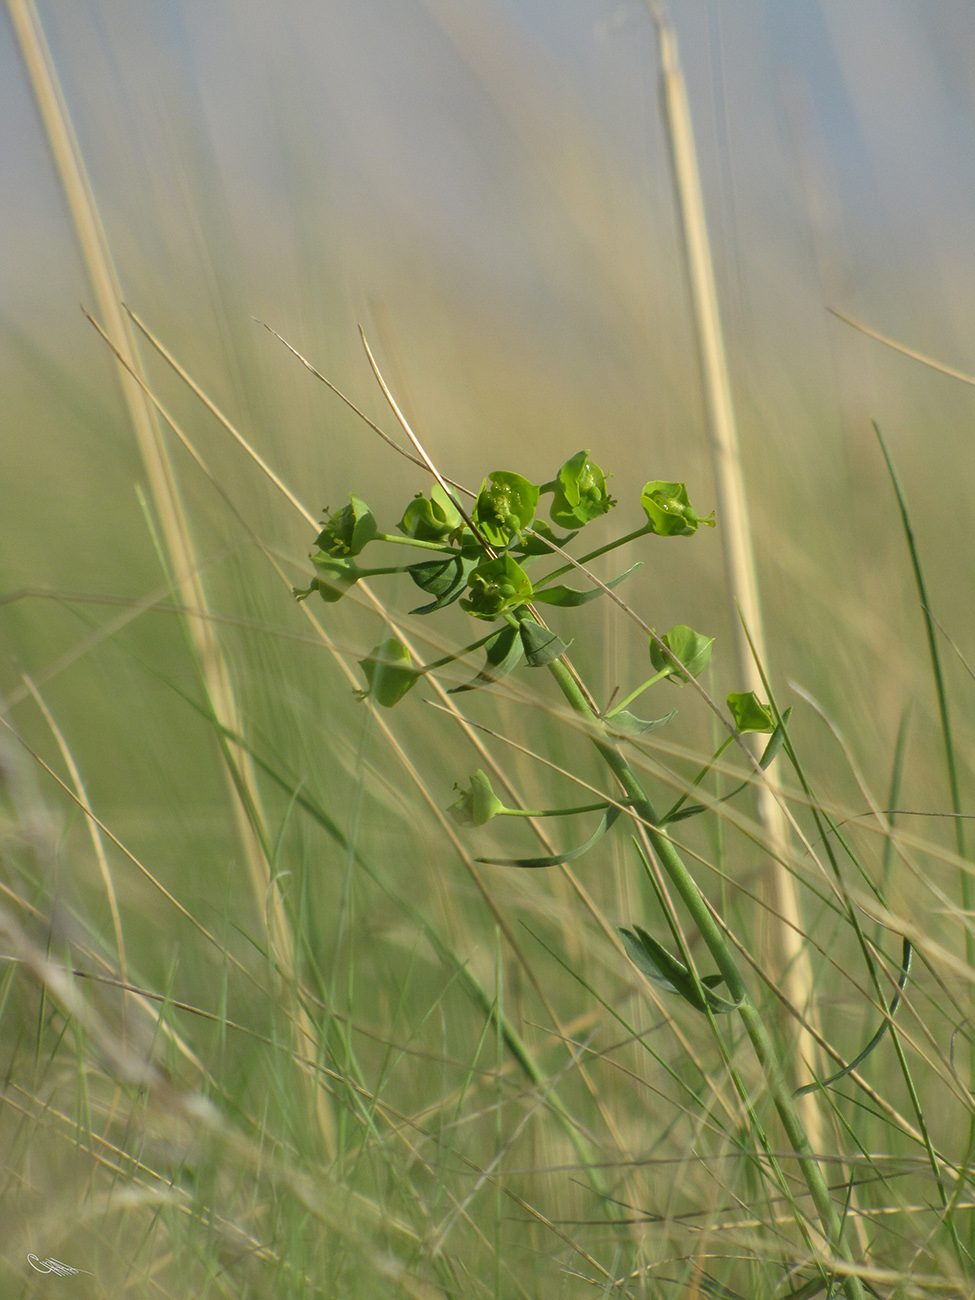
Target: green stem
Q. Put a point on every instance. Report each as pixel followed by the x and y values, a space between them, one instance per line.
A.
pixel 552 812
pixel 664 672
pixel 375 573
pixel 415 541
pixel 449 659
pixel 669 814
pixel 720 950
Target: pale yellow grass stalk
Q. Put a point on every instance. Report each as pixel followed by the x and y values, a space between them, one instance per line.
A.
pixel 788 955
pixel 180 551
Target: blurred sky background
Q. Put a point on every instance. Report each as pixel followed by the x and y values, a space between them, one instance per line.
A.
pixel 484 186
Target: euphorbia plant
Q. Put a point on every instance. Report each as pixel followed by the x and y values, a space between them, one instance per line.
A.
pixel 500 561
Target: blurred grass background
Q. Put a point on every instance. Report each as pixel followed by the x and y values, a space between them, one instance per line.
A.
pixel 484 187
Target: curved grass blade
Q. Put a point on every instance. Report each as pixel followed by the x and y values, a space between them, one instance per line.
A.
pixel 557 859
pixel 907 955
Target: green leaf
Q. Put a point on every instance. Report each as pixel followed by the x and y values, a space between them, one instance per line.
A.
pixel 776 740
pixel 389 673
pixel 431 520
pixel 496 586
pixel 749 713
pixel 335 576
pixel 445 579
pixel 541 645
pixel 556 859
pixel 655 961
pixel 477 804
pixel 907 954
pixel 543 535
pixel 580 493
pixel 690 648
pixel 503 510
pixel 504 652
pixel 567 597
pixel 347 531
pixel 628 723
pixel 669 511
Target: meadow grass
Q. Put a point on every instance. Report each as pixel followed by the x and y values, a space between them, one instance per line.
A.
pixel 364 1063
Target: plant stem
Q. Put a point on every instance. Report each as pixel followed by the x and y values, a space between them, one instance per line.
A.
pixel 675 808
pixel 552 812
pixel 720 950
pixel 442 547
pixel 664 672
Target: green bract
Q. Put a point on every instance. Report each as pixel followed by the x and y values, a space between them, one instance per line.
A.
pixel 541 645
pixel 669 511
pixel 477 804
pixel 389 673
pixel 580 493
pixel 445 578
pixel 431 520
pixel 689 647
pixel 505 508
pixel 496 586
pixel 749 713
pixel 334 577
pixel 347 531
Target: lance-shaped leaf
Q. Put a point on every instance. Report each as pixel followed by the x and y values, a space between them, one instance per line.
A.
pixel 445 579
pixel 540 644
pixel 537 544
pixel 496 586
pixel 655 961
pixel 776 740
pixel 504 652
pixel 477 804
pixel 690 648
pixel 669 511
pixel 389 672
pixel 749 713
pixel 629 724
pixel 334 576
pixel 556 859
pixel 347 531
pixel 580 493
pixel 503 510
pixel 878 1037
pixel 566 597
pixel 433 519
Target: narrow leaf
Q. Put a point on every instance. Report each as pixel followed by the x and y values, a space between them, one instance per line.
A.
pixel 557 859
pixel 906 956
pixel 629 724
pixel 504 652
pixel 570 596
pixel 541 535
pixel 653 959
pixel 541 645
pixel 444 579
